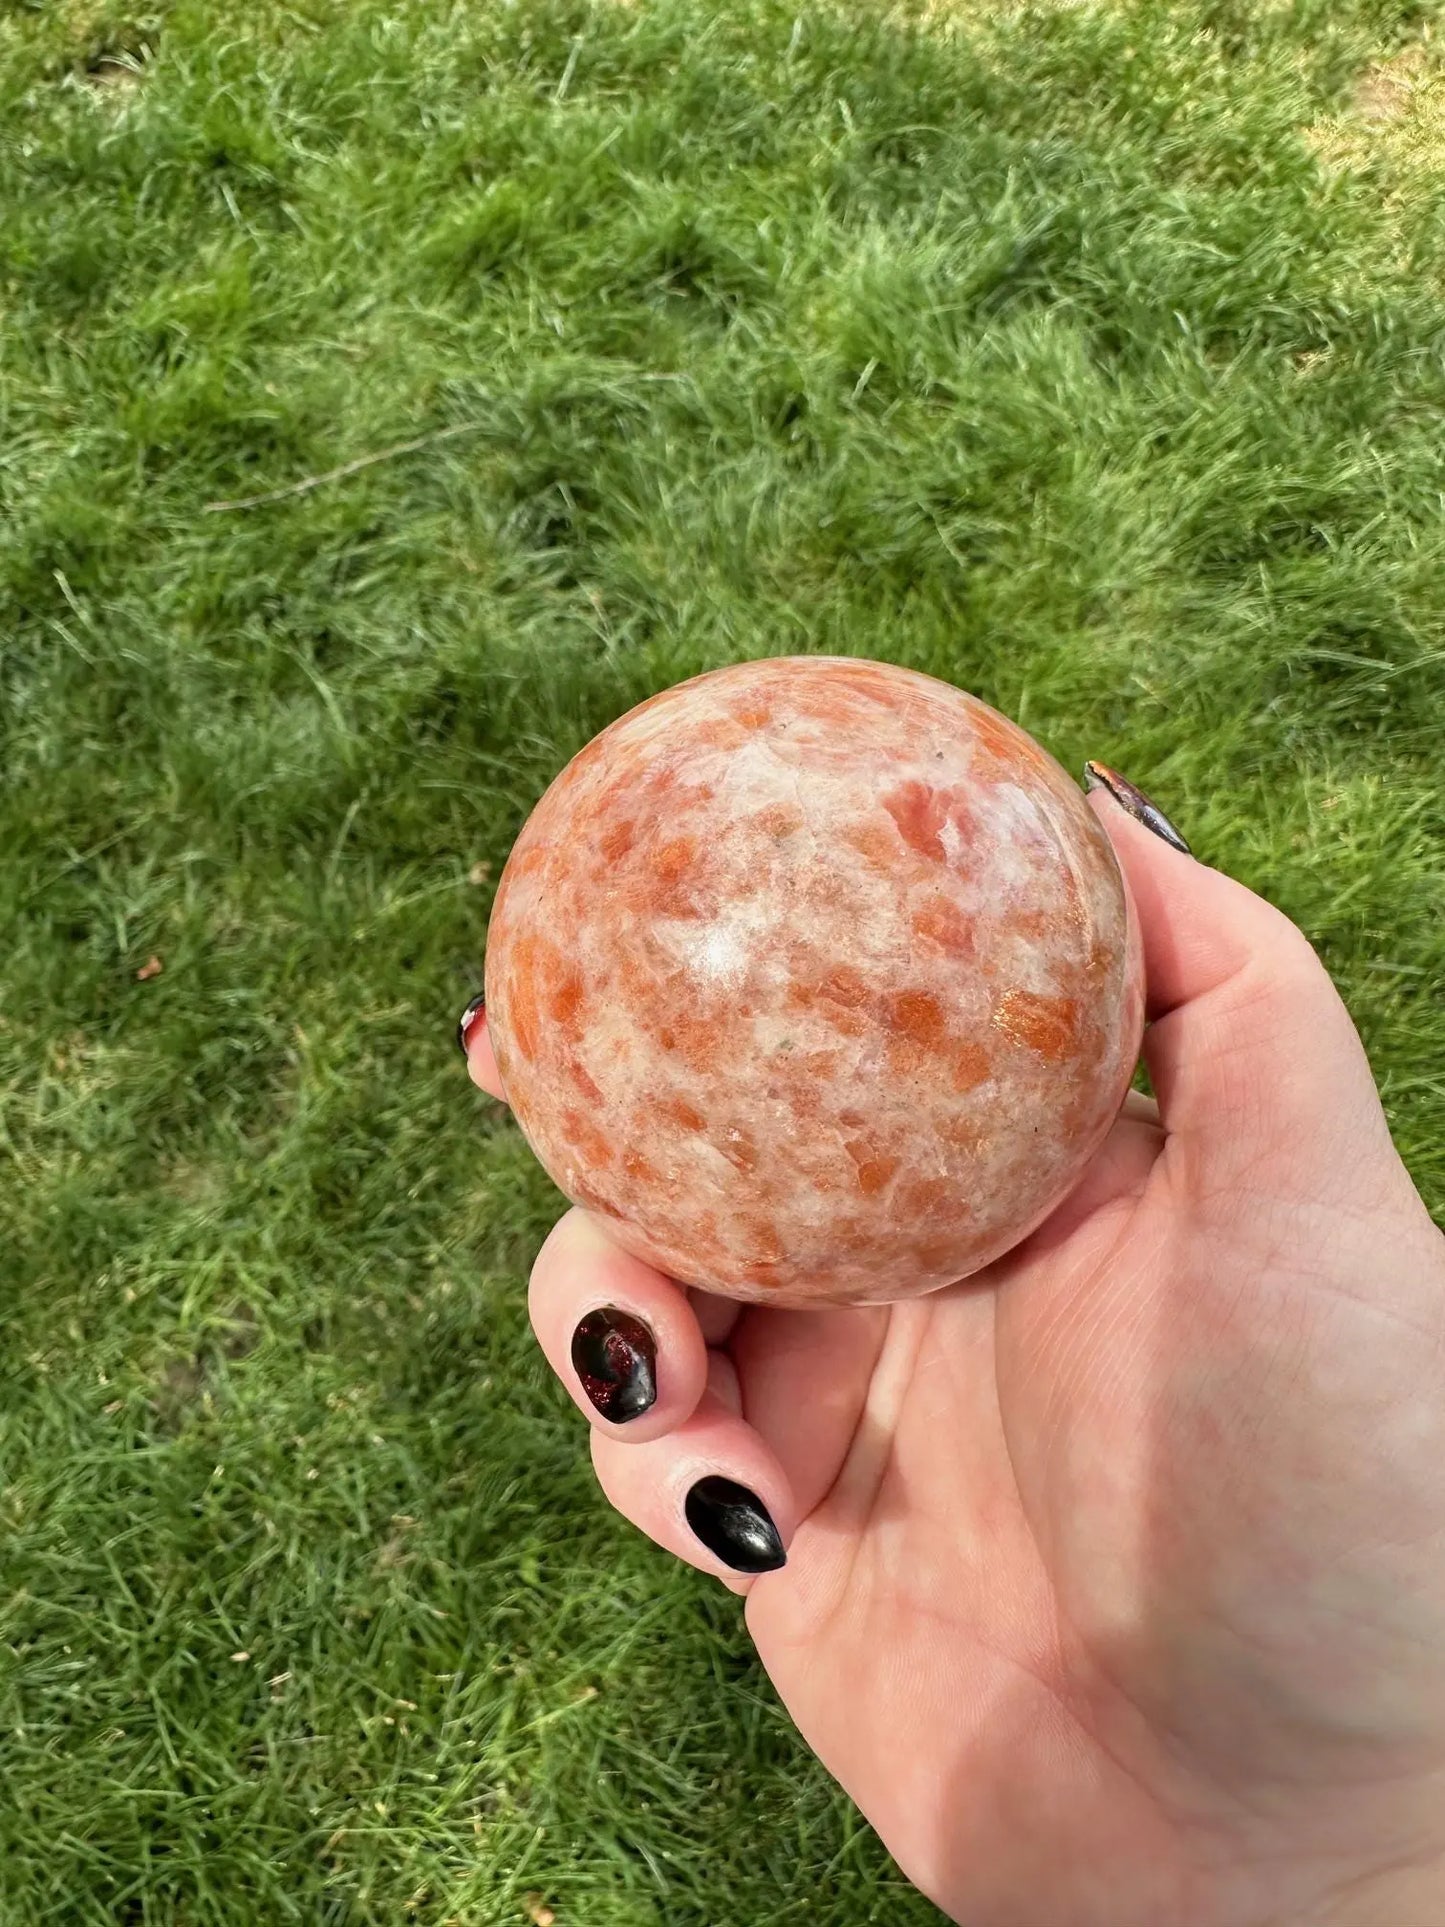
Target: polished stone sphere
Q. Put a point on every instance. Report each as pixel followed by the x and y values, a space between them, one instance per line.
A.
pixel 816 980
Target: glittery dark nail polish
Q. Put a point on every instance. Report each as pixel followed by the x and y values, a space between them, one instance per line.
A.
pixel 734 1524
pixel 615 1357
pixel 474 1010
pixel 1098 776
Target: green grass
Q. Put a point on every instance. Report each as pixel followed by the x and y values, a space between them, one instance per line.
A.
pixel 1036 348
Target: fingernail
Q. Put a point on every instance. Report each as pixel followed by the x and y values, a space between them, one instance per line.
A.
pixel 471 1017
pixel 1098 776
pixel 734 1524
pixel 615 1356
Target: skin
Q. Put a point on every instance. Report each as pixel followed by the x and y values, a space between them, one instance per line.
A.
pixel 1115 1590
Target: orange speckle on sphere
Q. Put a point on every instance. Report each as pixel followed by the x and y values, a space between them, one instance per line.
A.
pixel 762 1272
pixel 739 1150
pixel 1006 745
pixel 869 680
pixel 921 1198
pixel 585 1083
pixel 908 1063
pixel 938 1257
pixel 763 1243
pixel 617 839
pixel 1048 1025
pixel 676 883
pixel 820 1065
pixel 1032 925
pixel 941 922
pixel 917 1015
pixel 804 1098
pixel 971 1065
pixel 526 1018
pixel 763 1251
pixel 1097 965
pixel 874 1168
pixel 838 1001
pixel 635 979
pixel 825 893
pixel 963 1134
pixel 848 1023
pixel 837 706
pixel 846 986
pixel 586 1139
pixel 854 1232
pixel 1075 912
pixel 564 1000
pixel 675 859
pixel 779 819
pixel 696 1040
pixel 873 844
pixel 725 732
pixel 922 814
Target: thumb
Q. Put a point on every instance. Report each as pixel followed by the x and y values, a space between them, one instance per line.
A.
pixel 1250 1050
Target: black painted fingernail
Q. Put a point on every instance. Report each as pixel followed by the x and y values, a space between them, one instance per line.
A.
pixel 475 1009
pixel 1098 776
pixel 735 1524
pixel 615 1356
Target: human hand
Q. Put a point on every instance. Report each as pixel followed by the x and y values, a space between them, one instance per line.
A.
pixel 1115 1576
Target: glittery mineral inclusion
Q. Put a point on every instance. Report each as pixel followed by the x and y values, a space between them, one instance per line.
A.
pixel 816 980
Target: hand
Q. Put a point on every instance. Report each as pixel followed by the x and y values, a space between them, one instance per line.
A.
pixel 1115 1578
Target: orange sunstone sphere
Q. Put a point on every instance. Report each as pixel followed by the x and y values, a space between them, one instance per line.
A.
pixel 816 980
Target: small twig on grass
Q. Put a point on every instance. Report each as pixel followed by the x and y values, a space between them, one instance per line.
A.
pixel 309 482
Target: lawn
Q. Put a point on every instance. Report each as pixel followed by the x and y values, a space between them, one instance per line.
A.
pixel 1090 356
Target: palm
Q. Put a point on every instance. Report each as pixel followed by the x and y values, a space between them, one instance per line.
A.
pixel 1053 1567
